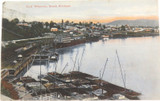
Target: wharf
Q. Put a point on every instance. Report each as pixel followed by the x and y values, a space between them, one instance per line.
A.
pixel 74 85
pixel 111 89
pixel 79 84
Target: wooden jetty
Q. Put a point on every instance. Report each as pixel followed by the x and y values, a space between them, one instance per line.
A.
pixel 83 82
pixel 23 65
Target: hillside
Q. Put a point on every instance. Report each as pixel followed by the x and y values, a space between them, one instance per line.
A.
pixel 140 22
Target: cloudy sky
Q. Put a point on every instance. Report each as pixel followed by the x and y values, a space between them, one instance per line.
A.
pixel 84 10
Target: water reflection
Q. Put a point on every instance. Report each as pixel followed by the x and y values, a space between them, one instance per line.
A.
pixel 139 58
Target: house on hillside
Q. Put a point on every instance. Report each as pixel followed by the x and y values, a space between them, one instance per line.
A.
pixel 24 24
pixel 54 29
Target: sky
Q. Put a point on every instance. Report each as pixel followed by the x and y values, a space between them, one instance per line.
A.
pixel 82 10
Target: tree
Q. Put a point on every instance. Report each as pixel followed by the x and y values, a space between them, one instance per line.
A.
pixel 58 26
pixel 91 23
pixel 5 22
pixel 16 21
pixel 80 23
pixel 104 26
pixel 67 22
pixel 86 24
pixel 46 23
pixel 123 28
pixel 51 24
pixel 23 21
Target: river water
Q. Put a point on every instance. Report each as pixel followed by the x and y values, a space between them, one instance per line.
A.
pixel 139 58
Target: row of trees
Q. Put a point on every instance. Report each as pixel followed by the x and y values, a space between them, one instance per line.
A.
pixel 11 27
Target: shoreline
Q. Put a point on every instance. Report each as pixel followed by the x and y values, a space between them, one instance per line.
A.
pixel 133 35
pixel 61 45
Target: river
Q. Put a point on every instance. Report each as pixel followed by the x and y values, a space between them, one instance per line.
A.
pixel 139 58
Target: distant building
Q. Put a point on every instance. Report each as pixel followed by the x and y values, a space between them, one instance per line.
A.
pixel 127 28
pixel 71 28
pixel 45 26
pixel 156 30
pixel 63 39
pixel 54 29
pixel 66 40
pixel 83 29
pixel 24 24
pixel 138 29
pixel 49 35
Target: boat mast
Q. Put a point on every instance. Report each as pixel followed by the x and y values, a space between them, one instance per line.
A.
pixel 55 75
pixel 64 68
pixel 75 60
pixel 80 62
pixel 104 68
pixel 56 68
pixel 55 43
pixel 121 71
pixel 40 73
pixel 103 72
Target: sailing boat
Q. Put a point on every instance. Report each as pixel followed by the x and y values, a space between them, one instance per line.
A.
pixel 116 91
pixel 127 92
pixel 101 77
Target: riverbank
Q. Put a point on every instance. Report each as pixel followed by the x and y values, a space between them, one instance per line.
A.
pixel 9 55
pixel 132 34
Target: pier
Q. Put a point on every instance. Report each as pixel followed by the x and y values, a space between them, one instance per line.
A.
pixel 23 65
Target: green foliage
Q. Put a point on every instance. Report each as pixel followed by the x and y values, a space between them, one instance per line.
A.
pixel 5 92
pixel 8 36
pixel 67 22
pixel 16 21
pixel 123 28
pixel 11 31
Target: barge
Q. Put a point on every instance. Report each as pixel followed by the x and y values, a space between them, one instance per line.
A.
pixel 74 85
pixel 83 80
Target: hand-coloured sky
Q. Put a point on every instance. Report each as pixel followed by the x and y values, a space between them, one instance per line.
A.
pixel 86 10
